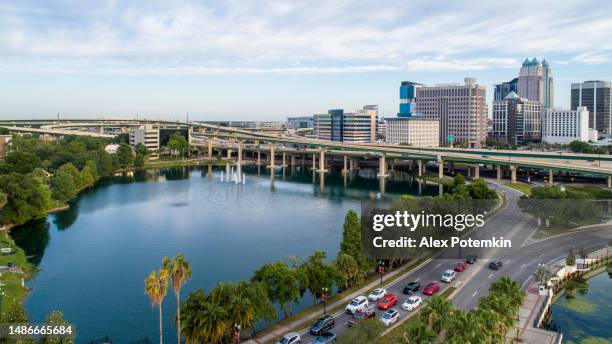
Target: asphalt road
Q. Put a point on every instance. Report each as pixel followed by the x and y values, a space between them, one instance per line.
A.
pixel 509 222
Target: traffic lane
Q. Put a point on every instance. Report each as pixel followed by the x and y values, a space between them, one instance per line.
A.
pixel 430 272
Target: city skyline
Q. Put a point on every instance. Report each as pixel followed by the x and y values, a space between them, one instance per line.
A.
pixel 247 61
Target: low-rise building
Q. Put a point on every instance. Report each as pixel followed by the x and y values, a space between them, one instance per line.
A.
pixel 415 131
pixel 301 122
pixel 4 140
pixel 148 135
pixel 565 126
pixel 350 127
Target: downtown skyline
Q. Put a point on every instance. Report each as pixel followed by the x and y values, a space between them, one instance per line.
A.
pixel 264 60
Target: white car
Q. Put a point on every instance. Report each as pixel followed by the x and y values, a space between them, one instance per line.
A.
pixel 390 317
pixel 291 338
pixel 358 304
pixel 448 276
pixel 412 303
pixel 377 294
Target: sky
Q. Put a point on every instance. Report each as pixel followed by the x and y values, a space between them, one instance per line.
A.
pixel 266 60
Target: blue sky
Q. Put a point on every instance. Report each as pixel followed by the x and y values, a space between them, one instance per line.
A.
pixel 269 59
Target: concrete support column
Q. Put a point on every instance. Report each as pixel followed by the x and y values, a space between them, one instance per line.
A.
pixel 284 160
pixel 271 156
pixel 210 147
pixel 240 152
pixel 420 167
pixel 469 171
pixel 382 166
pixel 322 160
pixel 513 173
pixel 344 166
pixel 499 172
pixel 292 160
pixel 550 177
pixel 451 168
pixel 258 158
pixel 229 154
pixel 476 171
pixel 528 176
pixel 314 161
pixel 609 182
pixel 441 169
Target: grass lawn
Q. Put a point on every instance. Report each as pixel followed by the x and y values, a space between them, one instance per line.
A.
pixel 522 187
pixel 397 334
pixel 179 162
pixel 444 181
pixel 10 282
pixel 593 192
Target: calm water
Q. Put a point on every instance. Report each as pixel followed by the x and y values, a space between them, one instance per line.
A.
pixel 586 318
pixel 94 257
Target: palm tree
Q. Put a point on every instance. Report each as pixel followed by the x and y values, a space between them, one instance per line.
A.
pixel 506 286
pixel 467 326
pixel 418 333
pixel 437 312
pixel 156 286
pixel 496 329
pixel 180 272
pixel 214 322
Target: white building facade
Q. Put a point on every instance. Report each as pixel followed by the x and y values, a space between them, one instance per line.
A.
pixel 565 126
pixel 414 131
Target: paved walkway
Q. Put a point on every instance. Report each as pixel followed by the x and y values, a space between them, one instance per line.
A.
pixel 527 315
pixel 300 323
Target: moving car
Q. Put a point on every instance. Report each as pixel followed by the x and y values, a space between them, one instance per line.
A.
pixel 290 338
pixel 471 259
pixel 325 338
pixel 411 288
pixel 387 302
pixel 359 303
pixel 412 303
pixel 495 265
pixel 377 294
pixel 324 324
pixel 390 317
pixel 368 313
pixel 459 266
pixel 448 276
pixel 431 288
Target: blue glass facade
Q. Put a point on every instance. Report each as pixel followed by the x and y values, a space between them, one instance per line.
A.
pixel 337 124
pixel 407 93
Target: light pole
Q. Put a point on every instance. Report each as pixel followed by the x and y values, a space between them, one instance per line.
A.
pixel 237 333
pixel 1 296
pixel 324 299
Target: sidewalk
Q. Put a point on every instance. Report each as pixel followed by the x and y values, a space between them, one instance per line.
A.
pixel 390 278
pixel 527 315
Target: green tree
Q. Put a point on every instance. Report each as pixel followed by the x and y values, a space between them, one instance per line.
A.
pixel 87 176
pixel 351 240
pixel 580 147
pixel 466 326
pixel 22 161
pixel 15 314
pixel 319 274
pixel 156 287
pixel 418 333
pixel 139 161
pixel 479 190
pixel 506 286
pixel 281 282
pixel 56 318
pixel 124 155
pixel 349 269
pixel 180 272
pixel 178 144
pixel 74 172
pixel 203 321
pixel 26 198
pixel 62 186
pixel 436 313
pixel 93 167
pixel 104 162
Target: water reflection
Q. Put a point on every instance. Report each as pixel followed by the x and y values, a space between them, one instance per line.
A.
pixel 33 238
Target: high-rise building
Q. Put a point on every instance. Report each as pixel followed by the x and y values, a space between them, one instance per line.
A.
pixel 535 82
pixel 595 96
pixel 461 110
pixel 148 135
pixel 414 130
pixel 350 127
pixel 301 122
pixel 408 94
pixel 516 120
pixel 504 89
pixel 565 126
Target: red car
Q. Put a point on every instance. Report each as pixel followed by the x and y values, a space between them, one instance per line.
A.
pixel 431 288
pixel 460 266
pixel 387 302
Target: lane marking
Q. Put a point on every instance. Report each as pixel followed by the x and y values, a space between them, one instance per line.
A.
pixel 522 266
pixel 491 275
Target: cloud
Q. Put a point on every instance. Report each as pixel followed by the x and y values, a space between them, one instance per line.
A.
pixel 306 37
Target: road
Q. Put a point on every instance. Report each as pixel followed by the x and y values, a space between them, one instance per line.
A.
pixel 509 222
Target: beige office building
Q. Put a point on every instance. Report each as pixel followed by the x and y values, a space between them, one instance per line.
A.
pixel 461 110
pixel 414 131
pixel 148 135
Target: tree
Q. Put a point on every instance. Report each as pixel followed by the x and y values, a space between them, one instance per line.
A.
pixel 87 176
pixel 542 274
pixel 156 287
pixel 418 333
pixel 436 313
pixel 56 318
pixel 141 150
pixel 180 272
pixel 124 155
pixel 349 269
pixel 479 190
pixel 26 198
pixel 93 167
pixel 104 162
pixel 178 143
pixel 506 286
pixel 351 240
pixel 139 161
pixel 580 147
pixel 466 326
pixel 15 314
pixel 22 161
pixel 319 274
pixel 74 172
pixel 62 186
pixel 281 282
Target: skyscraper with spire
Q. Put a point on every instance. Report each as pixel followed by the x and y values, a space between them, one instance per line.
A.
pixel 535 82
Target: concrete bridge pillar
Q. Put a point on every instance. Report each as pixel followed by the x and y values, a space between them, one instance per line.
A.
pixel 292 160
pixel 513 173
pixel 469 171
pixel 499 172
pixel 322 161
pixel 476 171
pixel 229 154
pixel 609 182
pixel 284 160
pixel 451 168
pixel 240 152
pixel 344 166
pixel 550 177
pixel 258 158
pixel 441 169
pixel 210 148
pixel 528 176
pixel 314 161
pixel 382 166
pixel 420 167
pixel 271 156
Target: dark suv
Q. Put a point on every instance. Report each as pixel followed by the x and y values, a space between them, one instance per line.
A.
pixel 324 324
pixel 495 265
pixel 411 288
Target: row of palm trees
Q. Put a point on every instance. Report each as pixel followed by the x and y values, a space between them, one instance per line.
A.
pixel 488 323
pixel 176 269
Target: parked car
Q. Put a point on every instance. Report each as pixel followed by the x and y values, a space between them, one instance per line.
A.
pixel 459 266
pixel 495 265
pixel 431 288
pixel 411 288
pixel 324 324
pixel 290 338
pixel 390 317
pixel 412 303
pixel 387 302
pixel 471 259
pixel 368 313
pixel 377 294
pixel 359 303
pixel 448 276
pixel 325 338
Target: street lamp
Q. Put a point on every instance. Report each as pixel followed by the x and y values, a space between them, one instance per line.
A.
pixel 237 333
pixel 324 299
pixel 1 296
